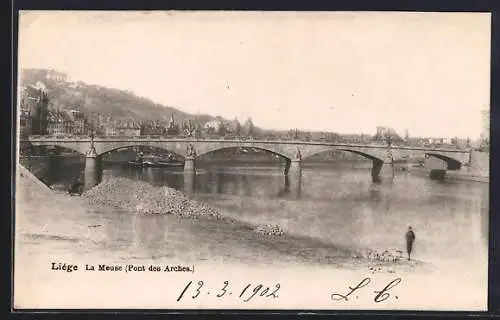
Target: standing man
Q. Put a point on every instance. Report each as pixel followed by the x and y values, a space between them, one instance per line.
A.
pixel 410 238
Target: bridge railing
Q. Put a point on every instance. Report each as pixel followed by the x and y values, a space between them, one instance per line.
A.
pixel 242 138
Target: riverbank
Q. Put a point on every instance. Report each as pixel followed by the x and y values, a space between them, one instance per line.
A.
pixel 264 244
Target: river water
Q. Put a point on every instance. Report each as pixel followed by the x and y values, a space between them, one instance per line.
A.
pixel 330 209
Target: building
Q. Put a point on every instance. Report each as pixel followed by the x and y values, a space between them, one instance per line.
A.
pixel 485 128
pixel 107 126
pixel 96 123
pixel 153 128
pixel 34 110
pixel 67 122
pixel 447 141
pixel 59 123
pixel 24 121
pixel 79 122
pixel 173 127
pixel 110 129
pixel 215 126
pixel 56 76
pixel 128 128
pixel 386 134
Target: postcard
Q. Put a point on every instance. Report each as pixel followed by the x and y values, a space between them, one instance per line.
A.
pixel 247 160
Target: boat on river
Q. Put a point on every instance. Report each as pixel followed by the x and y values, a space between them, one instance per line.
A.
pixel 155 161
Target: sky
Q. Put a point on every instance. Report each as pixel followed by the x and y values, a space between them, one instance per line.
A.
pixel 344 72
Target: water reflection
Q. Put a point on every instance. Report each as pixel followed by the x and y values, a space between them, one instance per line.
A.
pixel 248 184
pixel 292 186
pixel 189 183
pixel 375 195
pixel 55 174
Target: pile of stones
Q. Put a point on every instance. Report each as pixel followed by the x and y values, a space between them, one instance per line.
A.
pixel 146 199
pixel 269 230
pixel 384 256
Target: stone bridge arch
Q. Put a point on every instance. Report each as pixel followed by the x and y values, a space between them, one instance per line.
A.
pixel 107 150
pixel 371 154
pixel 77 147
pixel 260 148
pixel 286 151
pixel 378 156
pixel 177 147
pixel 451 162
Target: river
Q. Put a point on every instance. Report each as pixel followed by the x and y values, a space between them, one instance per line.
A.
pixel 331 210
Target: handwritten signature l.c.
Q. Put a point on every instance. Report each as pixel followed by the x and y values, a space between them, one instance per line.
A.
pixel 380 295
pixel 363 283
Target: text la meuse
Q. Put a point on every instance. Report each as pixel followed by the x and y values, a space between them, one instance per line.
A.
pixel 103 267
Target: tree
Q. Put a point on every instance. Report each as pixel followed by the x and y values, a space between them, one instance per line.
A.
pixel 307 136
pixel 209 130
pixel 388 140
pixel 249 127
pixel 295 133
pixel 189 128
pixel 485 145
pixel 221 128
pixel 198 130
pixel 237 126
pixel 407 135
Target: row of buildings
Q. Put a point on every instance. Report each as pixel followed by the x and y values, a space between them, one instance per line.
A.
pixel 36 118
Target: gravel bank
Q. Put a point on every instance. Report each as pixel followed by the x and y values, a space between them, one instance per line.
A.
pixel 146 199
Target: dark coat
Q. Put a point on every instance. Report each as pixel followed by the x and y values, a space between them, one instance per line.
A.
pixel 410 236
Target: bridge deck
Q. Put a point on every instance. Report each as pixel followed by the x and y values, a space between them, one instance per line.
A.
pixel 41 139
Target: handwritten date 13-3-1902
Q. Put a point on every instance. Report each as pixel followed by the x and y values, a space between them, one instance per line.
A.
pixel 246 292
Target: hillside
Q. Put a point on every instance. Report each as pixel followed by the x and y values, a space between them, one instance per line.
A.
pixel 123 104
pixel 119 104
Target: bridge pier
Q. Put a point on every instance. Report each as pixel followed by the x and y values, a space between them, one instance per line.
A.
pixel 437 168
pixel 437 174
pixel 293 182
pixel 293 176
pixel 382 171
pixel 92 169
pixel 293 167
pixel 189 165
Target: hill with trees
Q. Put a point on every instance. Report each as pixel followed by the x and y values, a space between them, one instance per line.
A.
pixel 120 105
pixel 89 98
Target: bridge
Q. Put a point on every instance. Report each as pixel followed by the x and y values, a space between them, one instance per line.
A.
pixel 382 156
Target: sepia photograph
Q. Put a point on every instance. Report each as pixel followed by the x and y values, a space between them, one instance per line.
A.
pixel 259 160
